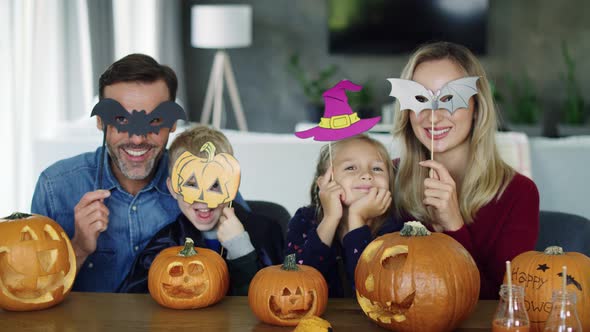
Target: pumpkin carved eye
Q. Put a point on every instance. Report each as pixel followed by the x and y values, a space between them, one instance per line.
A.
pixel 191 182
pixel 50 233
pixel 215 187
pixel 176 270
pixel 394 258
pixel 195 269
pixel 27 234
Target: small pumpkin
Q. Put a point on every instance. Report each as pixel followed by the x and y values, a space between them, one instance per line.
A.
pixel 213 180
pixel 313 324
pixel 414 280
pixel 541 272
pixel 37 262
pixel 184 278
pixel 284 294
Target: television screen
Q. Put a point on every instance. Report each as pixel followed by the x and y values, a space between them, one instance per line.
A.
pixel 399 26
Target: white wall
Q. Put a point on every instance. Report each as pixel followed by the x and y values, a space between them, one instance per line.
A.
pixel 279 167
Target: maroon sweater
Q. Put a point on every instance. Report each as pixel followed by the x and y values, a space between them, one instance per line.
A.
pixel 501 230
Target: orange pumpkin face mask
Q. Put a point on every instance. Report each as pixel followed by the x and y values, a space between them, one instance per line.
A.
pixel 213 180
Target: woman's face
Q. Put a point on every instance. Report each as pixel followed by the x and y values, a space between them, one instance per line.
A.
pixel 451 131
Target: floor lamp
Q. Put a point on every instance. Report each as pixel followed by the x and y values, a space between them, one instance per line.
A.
pixel 221 27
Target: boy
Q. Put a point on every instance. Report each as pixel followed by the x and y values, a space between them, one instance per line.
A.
pixel 245 240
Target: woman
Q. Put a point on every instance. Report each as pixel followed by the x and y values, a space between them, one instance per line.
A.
pixel 467 191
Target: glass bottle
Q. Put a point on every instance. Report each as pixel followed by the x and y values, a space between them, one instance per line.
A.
pixel 563 316
pixel 504 319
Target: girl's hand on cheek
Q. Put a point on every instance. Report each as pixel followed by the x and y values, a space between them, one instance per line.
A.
pixel 440 193
pixel 331 197
pixel 373 204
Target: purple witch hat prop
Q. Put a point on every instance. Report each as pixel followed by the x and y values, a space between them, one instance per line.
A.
pixel 339 121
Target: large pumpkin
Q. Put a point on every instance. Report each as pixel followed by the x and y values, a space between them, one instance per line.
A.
pixel 185 278
pixel 37 262
pixel 414 280
pixel 541 272
pixel 213 180
pixel 284 294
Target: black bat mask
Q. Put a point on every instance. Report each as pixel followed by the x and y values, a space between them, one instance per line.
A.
pixel 138 122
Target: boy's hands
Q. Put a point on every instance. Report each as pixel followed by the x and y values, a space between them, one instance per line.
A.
pixel 229 225
pixel 373 204
pixel 91 217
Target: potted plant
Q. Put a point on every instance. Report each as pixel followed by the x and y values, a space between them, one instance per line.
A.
pixel 523 111
pixel 363 101
pixel 575 110
pixel 312 87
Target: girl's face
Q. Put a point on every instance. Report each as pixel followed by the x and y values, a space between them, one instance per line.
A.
pixel 358 168
pixel 450 130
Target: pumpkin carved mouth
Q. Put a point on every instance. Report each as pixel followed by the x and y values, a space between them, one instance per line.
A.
pixel 36 287
pixel 181 292
pixel 388 312
pixel 291 305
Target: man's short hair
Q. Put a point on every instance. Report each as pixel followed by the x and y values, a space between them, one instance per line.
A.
pixel 138 68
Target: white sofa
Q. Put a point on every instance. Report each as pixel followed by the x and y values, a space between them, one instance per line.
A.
pixel 280 167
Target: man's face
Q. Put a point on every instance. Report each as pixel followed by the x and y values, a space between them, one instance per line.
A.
pixel 134 158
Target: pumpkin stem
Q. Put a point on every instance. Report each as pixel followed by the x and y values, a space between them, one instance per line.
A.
pixel 210 149
pixel 189 248
pixel 414 228
pixel 289 264
pixel 554 250
pixel 18 215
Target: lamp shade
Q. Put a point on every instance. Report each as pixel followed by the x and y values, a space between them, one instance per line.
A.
pixel 221 26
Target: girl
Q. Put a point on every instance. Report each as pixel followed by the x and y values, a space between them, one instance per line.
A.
pixel 471 194
pixel 350 205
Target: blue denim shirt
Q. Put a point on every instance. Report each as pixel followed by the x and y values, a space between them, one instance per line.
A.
pixel 133 220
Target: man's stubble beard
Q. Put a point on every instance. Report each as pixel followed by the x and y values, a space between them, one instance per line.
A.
pixel 129 171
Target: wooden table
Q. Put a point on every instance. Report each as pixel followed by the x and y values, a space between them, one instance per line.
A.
pixel 94 312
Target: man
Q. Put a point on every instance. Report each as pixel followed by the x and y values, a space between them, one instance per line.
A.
pixel 111 207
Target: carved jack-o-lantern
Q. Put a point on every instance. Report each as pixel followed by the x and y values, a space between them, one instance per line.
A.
pixel 182 278
pixel 413 280
pixel 37 262
pixel 541 272
pixel 213 180
pixel 284 294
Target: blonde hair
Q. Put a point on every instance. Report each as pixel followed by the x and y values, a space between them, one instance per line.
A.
pixel 324 163
pixel 193 139
pixel 487 175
